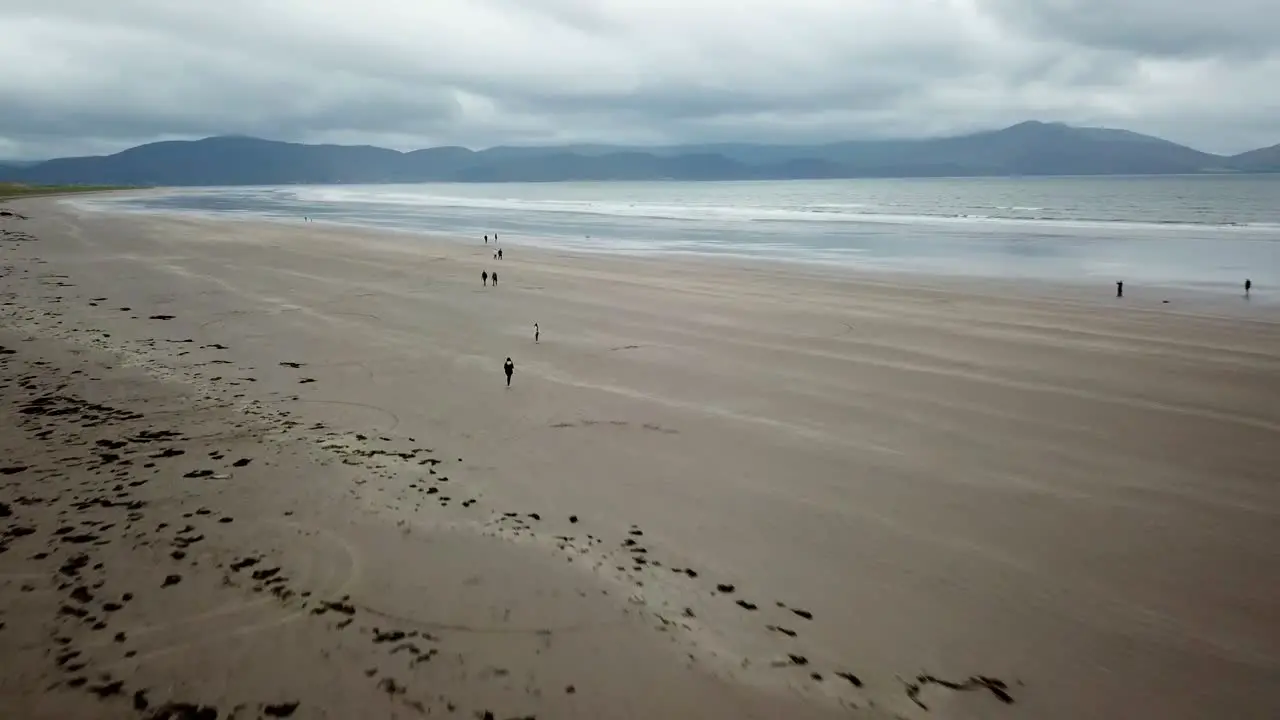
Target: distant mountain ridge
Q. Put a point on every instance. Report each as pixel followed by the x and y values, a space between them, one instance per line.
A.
pixel 1028 148
pixel 1265 159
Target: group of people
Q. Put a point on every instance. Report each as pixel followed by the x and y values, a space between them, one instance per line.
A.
pixel 497 255
pixel 508 367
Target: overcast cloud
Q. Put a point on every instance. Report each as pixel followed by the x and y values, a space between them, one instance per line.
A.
pixel 92 76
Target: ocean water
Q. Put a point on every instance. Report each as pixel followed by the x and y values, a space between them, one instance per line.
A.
pixel 1206 233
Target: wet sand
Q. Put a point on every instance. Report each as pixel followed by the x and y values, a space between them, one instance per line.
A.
pixel 714 490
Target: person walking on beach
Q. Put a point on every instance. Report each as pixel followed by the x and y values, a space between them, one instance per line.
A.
pixel 499 253
pixel 1248 285
pixel 486 239
pixel 1120 288
pixel 495 278
pixel 484 277
pixel 508 367
pixel 537 332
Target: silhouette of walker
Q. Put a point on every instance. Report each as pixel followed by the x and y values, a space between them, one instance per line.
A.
pixel 499 253
pixel 1248 285
pixel 495 278
pixel 537 332
pixel 1120 288
pixel 508 367
pixel 484 277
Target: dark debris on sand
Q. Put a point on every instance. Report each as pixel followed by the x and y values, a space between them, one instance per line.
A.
pixel 997 687
pixel 112 456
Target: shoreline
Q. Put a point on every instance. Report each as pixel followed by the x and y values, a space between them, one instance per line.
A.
pixel 1154 296
pixel 825 475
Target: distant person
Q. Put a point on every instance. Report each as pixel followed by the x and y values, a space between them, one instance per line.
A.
pixel 537 332
pixel 499 253
pixel 508 367
pixel 1248 285
pixel 486 239
pixel 495 278
pixel 484 277
pixel 1119 288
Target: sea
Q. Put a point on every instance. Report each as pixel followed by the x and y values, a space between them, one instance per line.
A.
pixel 1206 233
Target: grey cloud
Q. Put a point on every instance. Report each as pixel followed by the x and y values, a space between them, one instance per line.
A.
pixel 101 76
pixel 1161 28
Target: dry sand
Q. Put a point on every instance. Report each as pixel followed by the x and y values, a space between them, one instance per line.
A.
pixel 250 465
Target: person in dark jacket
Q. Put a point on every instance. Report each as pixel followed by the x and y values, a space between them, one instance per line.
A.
pixel 509 367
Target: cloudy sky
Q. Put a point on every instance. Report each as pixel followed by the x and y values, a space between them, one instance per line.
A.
pixel 91 76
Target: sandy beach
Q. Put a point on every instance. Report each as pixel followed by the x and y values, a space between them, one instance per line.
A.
pixel 274 470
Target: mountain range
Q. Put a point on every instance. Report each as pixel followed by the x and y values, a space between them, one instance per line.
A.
pixel 1028 148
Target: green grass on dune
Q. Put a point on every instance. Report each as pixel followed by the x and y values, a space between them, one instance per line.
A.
pixel 19 190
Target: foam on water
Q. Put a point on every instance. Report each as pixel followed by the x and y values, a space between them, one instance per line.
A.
pixel 1185 231
pixel 426 196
